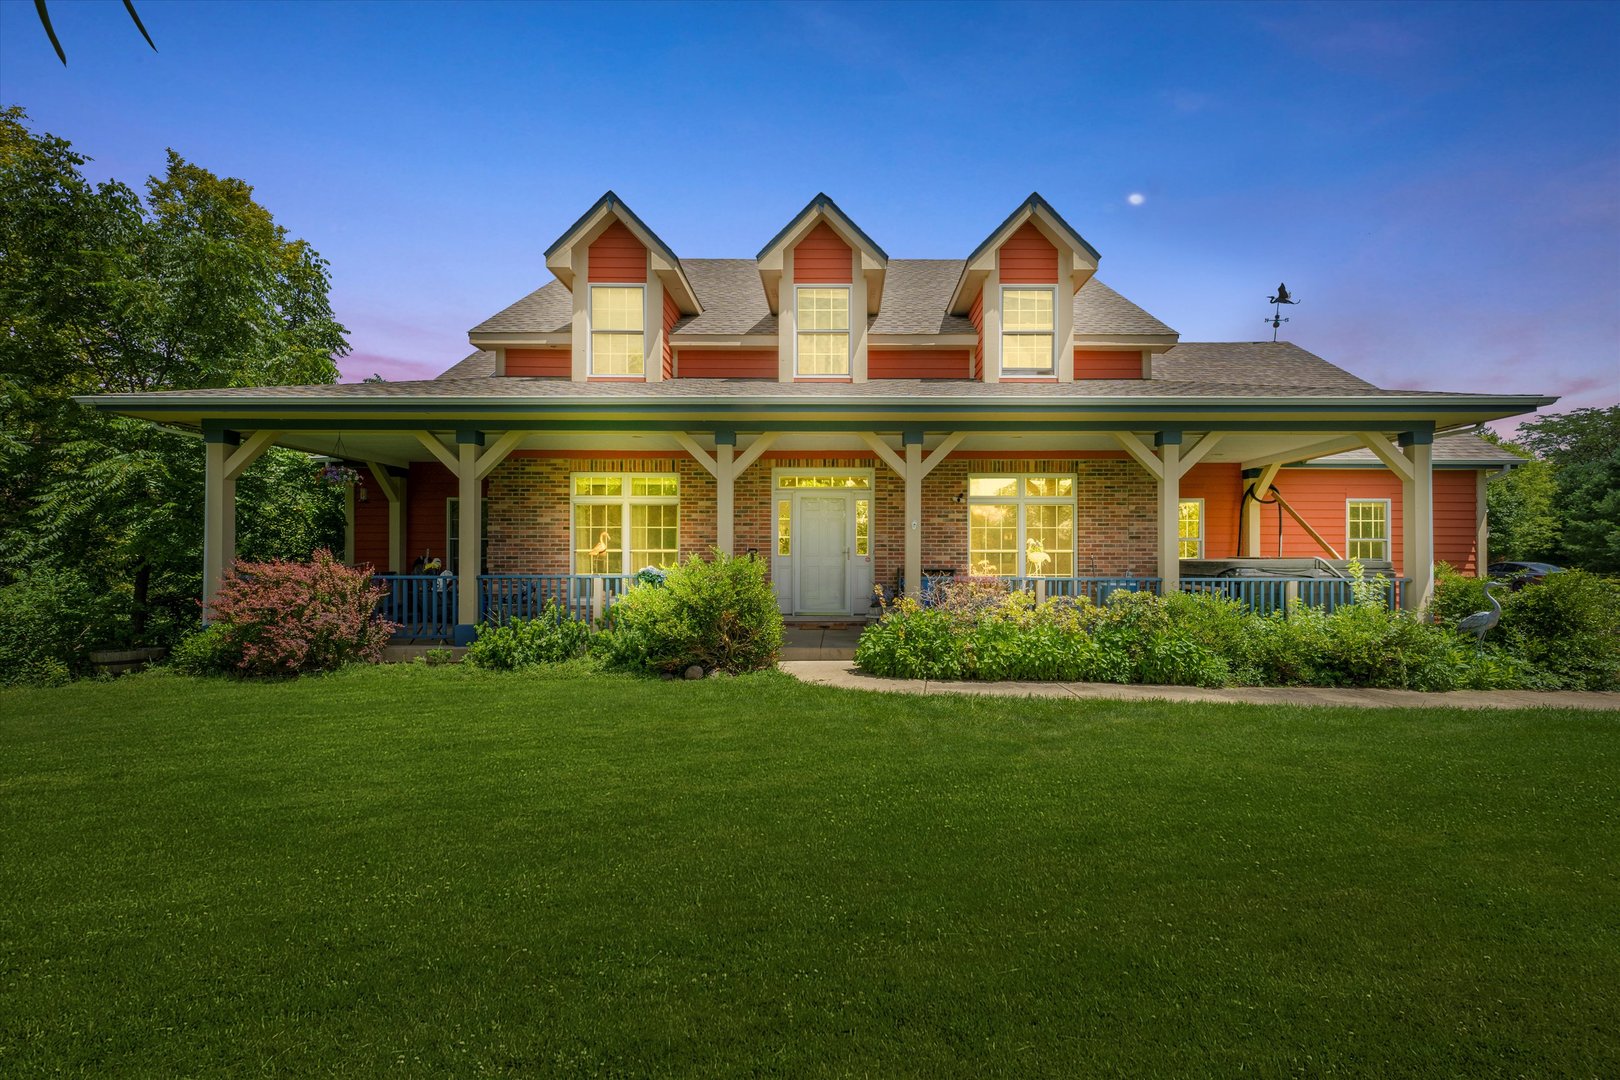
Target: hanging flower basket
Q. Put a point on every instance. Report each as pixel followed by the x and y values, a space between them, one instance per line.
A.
pixel 339 475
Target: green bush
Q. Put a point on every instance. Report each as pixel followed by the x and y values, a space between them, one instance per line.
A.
pixel 719 614
pixel 1568 628
pixel 209 651
pixel 46 622
pixel 913 642
pixel 549 638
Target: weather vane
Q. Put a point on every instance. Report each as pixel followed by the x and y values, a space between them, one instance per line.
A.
pixel 1276 303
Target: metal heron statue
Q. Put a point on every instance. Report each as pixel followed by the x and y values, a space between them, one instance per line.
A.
pixel 1481 621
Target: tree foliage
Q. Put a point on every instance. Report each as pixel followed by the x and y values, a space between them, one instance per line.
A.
pixel 1563 504
pixel 102 290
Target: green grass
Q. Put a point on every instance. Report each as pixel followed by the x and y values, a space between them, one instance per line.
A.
pixel 428 871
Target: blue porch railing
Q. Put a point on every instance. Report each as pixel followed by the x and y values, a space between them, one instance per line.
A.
pixel 504 597
pixel 1262 595
pixel 424 605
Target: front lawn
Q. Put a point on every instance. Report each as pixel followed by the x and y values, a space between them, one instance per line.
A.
pixel 432 871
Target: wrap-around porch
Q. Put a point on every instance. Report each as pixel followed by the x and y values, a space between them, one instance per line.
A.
pixel 843 516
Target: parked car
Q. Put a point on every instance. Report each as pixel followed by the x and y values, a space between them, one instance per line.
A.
pixel 1522 573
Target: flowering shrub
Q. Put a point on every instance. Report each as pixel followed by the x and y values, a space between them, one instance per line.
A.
pixel 283 618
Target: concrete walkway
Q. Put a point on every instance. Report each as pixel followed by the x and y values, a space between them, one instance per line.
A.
pixel 842 673
pixel 820 642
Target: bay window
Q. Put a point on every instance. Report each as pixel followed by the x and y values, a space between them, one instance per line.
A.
pixel 1027 330
pixel 822 329
pixel 623 522
pixel 618 330
pixel 1021 525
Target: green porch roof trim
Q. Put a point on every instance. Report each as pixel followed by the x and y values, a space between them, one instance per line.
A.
pixel 822 201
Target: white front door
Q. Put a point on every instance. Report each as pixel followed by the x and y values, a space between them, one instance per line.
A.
pixel 821 553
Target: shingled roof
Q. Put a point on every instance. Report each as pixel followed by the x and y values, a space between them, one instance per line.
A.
pixel 915 297
pixel 1459 448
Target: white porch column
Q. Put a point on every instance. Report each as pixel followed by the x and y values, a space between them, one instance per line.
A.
pixel 469 543
pixel 348 525
pixel 225 457
pixel 1417 520
pixel 1169 443
pixel 393 489
pixel 912 441
pixel 1259 481
pixel 1482 528
pixel 219 513
pixel 725 492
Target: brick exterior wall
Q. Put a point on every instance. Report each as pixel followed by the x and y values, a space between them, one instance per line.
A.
pixel 529 510
pixel 529 503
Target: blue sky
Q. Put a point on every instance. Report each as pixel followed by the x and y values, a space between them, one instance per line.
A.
pixel 1439 184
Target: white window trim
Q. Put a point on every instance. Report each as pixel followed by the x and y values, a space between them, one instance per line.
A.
pixel 590 331
pixel 1021 499
pixel 452 546
pixel 1389 527
pixel 624 500
pixel 1203 527
pixel 848 331
pixel 1051 364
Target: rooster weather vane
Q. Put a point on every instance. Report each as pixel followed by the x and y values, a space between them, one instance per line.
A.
pixel 1276 303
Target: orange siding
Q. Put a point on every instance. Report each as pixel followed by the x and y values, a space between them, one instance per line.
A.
pixel 1454 523
pixel 1220 486
pixel 429 485
pixel 917 364
pixel 1028 258
pixel 727 364
pixel 370 524
pixel 976 317
pixel 554 363
pixel 1319 495
pixel 672 315
pixel 1107 364
pixel 617 255
pixel 822 257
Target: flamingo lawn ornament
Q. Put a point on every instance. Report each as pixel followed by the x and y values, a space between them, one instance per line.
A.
pixel 1481 621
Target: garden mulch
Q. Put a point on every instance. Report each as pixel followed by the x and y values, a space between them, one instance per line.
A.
pixel 842 673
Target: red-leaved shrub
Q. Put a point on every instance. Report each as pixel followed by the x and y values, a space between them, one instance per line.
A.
pixel 283 618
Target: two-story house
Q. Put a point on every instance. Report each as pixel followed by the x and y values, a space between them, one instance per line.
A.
pixel 855 420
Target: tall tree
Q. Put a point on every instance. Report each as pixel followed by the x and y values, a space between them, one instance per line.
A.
pixel 1584 448
pixel 196 286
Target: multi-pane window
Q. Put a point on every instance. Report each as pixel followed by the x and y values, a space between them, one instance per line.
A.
pixel 1367 528
pixel 1027 331
pixel 784 523
pixel 624 522
pixel 823 329
pixel 1190 531
pixel 618 330
pixel 1021 526
pixel 452 539
pixel 787 482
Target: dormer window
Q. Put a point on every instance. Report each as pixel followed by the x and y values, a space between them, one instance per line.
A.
pixel 1027 331
pixel 618 330
pixel 823 330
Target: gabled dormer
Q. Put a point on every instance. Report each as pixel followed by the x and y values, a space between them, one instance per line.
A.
pixel 823 279
pixel 1018 289
pixel 628 292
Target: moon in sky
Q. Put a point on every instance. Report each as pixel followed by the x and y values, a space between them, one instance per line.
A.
pixel 1136 198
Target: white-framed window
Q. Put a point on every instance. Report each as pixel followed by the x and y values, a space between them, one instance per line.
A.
pixel 1028 332
pixel 821 330
pixel 1190 530
pixel 1021 525
pixel 452 535
pixel 1366 528
pixel 618 315
pixel 624 522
